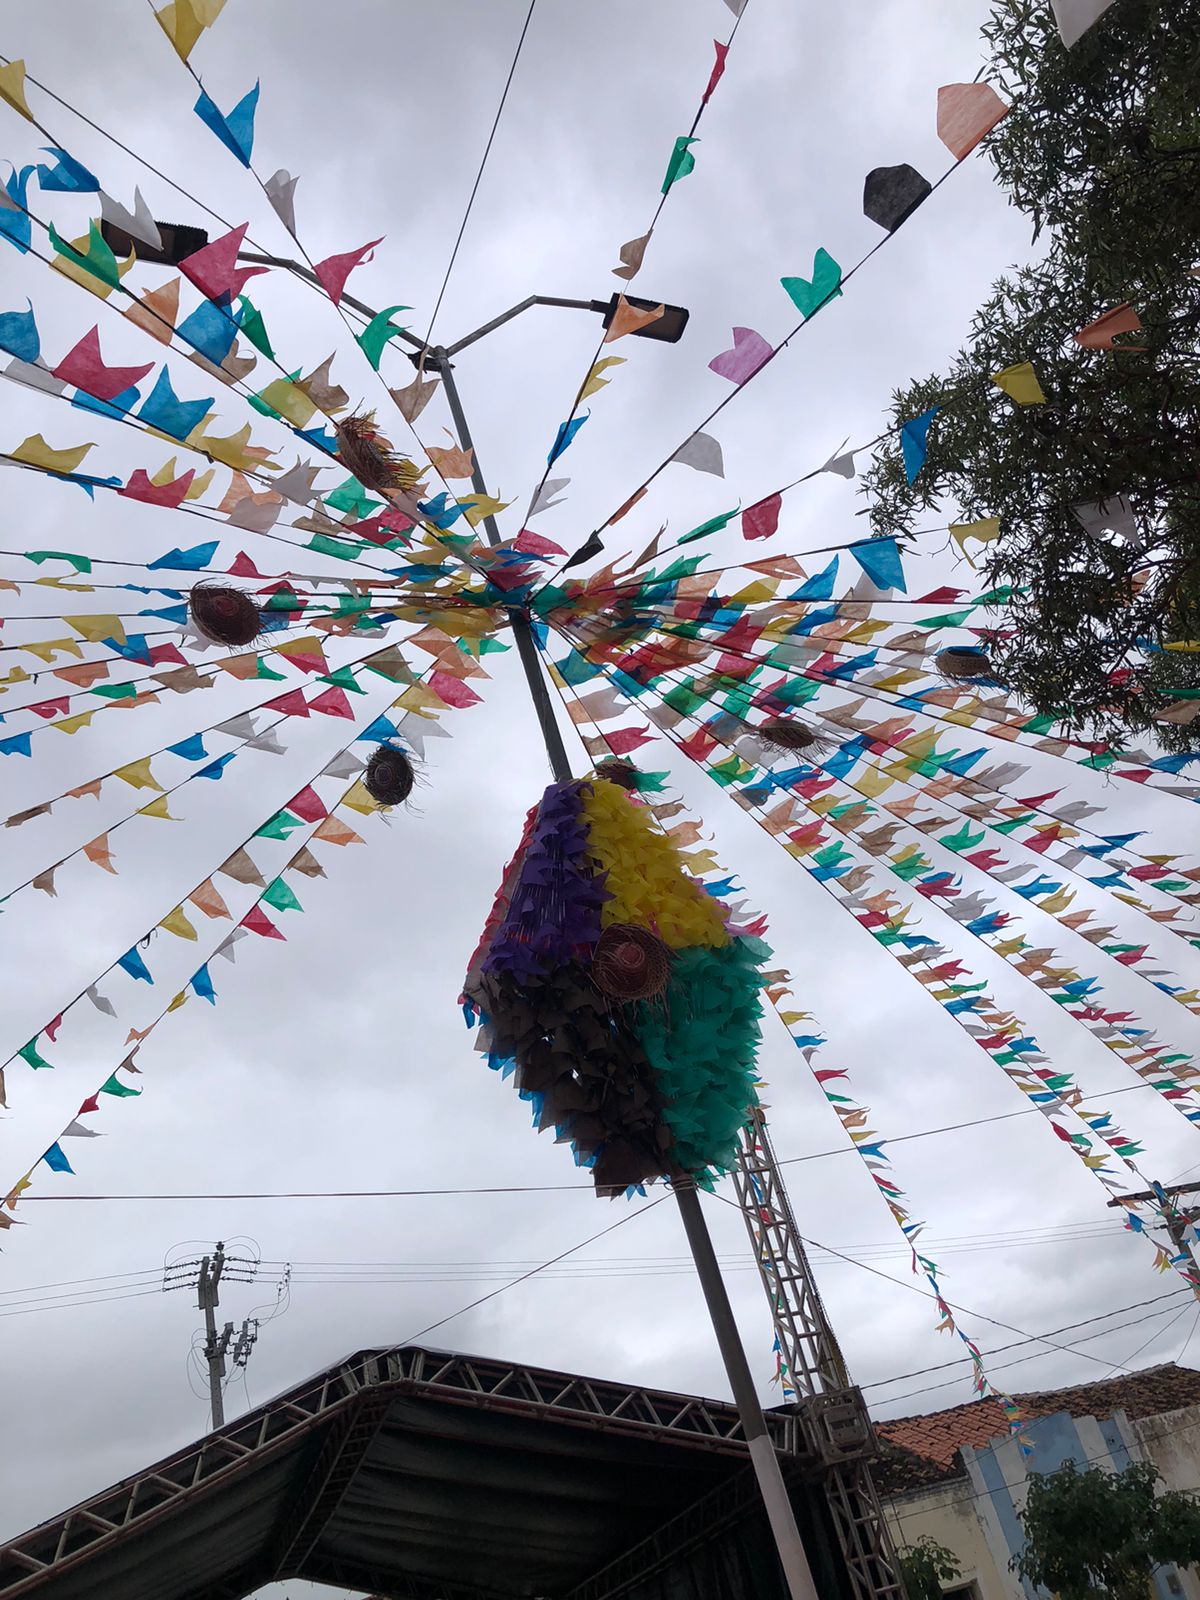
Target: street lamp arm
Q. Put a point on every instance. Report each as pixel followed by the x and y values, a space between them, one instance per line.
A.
pixel 515 311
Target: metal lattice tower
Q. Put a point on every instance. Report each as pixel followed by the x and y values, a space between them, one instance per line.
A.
pixel 813 1370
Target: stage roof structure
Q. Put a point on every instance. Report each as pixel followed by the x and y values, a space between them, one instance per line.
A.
pixel 431 1476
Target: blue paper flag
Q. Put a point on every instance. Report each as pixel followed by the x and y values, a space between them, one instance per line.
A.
pixel 235 131
pixel 191 748
pixel 56 1160
pixel 202 984
pixel 566 432
pixel 438 511
pixel 211 330
pixel 192 560
pixel 163 409
pixel 119 406
pixel 15 225
pixel 134 647
pixel 19 334
pixel 132 963
pixel 819 586
pixel 18 744
pixel 914 436
pixel 379 730
pixel 67 176
pixel 215 768
pixel 880 560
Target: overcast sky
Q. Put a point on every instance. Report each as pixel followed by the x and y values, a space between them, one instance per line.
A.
pixel 340 1061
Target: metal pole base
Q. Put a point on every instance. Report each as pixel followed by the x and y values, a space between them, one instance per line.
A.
pixel 762 1452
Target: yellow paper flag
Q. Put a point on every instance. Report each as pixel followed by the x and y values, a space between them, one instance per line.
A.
pixel 594 380
pixel 138 775
pixel 987 529
pixel 176 922
pixel 12 88
pixel 37 453
pixel 1020 383
pixel 291 403
pixel 94 626
pixel 158 808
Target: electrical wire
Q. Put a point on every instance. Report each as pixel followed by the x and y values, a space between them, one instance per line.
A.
pixel 516 1188
pixel 487 150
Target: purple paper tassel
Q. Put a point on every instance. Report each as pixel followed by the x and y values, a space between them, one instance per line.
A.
pixel 553 915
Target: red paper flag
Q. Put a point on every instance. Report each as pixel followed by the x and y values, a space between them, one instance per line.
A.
pixel 258 922
pixel 333 703
pixel 84 368
pixel 452 690
pixel 622 741
pixel 718 68
pixel 167 652
pixel 308 805
pixel 92 1103
pixel 52 1028
pixel 214 269
pixel 243 567
pixel 51 708
pixel 171 494
pixel 334 270
pixel 761 520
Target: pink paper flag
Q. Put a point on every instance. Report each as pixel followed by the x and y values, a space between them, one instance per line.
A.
pixel 718 68
pixel 258 922
pixel 214 269
pixel 334 270
pixel 452 690
pixel 292 704
pixel 750 351
pixel 172 494
pixel 333 703
pixel 761 520
pixel 84 368
pixel 532 544
pixel 966 112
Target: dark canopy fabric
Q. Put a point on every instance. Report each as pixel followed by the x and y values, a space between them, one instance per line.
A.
pixel 410 1472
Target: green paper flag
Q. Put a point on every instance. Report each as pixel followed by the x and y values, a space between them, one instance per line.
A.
pixel 809 297
pixel 28 1052
pixel 98 259
pixel 343 678
pixel 713 525
pixel 80 563
pixel 681 163
pixel 262 670
pixel 352 497
pixel 377 332
pixel 252 325
pixel 121 1090
pixel 280 896
pixel 279 826
pixel 326 546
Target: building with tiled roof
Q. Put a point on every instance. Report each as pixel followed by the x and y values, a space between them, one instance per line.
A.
pixel 958 1475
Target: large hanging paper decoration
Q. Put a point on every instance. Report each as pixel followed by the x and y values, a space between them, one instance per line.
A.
pixel 619 992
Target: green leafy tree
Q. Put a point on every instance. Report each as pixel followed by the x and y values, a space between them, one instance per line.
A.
pixel 1096 1535
pixel 925 1566
pixel 1101 149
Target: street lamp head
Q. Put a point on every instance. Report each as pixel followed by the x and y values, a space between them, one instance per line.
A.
pixel 667 329
pixel 179 240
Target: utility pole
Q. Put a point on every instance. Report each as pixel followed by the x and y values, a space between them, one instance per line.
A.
pixel 1175 1221
pixel 205 1277
pixel 215 1345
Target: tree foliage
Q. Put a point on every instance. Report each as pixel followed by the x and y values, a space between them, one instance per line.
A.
pixel 1096 1535
pixel 1101 149
pixel 925 1566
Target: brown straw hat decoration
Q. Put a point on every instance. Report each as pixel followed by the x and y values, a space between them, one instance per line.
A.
pixel 630 963
pixel 224 614
pixel 389 776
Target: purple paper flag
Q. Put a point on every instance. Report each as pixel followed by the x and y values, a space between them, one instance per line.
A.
pixel 750 351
